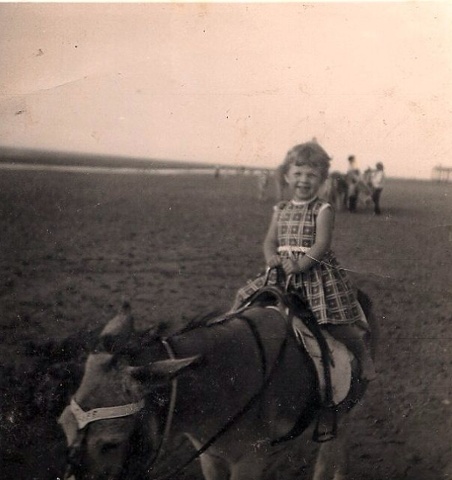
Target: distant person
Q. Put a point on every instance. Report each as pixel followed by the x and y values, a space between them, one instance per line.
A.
pixel 298 244
pixel 216 173
pixel 353 179
pixel 377 181
pixel 262 184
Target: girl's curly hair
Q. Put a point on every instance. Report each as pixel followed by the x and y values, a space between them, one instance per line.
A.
pixel 310 154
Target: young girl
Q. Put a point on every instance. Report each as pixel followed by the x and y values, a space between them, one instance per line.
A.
pixel 298 241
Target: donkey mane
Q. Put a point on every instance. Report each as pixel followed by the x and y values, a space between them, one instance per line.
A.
pixel 141 339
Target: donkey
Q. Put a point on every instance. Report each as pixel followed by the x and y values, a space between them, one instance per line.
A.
pixel 334 190
pixel 233 386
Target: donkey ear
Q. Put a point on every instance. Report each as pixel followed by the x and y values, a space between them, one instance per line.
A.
pixel 164 370
pixel 118 330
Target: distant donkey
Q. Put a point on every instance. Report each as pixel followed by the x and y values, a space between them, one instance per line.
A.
pixel 334 190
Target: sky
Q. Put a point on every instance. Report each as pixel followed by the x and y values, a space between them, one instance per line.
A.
pixel 231 83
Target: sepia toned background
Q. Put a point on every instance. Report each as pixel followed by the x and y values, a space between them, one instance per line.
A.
pixel 221 84
pixel 231 83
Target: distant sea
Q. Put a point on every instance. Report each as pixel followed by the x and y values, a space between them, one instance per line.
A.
pixel 14 166
pixel 15 159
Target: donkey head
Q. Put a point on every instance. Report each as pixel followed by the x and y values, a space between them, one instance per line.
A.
pixel 110 429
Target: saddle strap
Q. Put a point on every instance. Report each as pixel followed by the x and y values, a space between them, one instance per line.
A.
pixel 296 306
pixel 260 346
pixel 292 304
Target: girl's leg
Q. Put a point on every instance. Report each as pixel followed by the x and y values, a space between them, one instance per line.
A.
pixel 238 301
pixel 247 291
pixel 351 336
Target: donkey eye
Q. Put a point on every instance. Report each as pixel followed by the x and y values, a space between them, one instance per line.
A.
pixel 109 447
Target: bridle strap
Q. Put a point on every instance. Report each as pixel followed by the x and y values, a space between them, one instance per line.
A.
pixel 84 418
pixel 103 413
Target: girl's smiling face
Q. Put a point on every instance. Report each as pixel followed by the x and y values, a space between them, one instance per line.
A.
pixel 304 181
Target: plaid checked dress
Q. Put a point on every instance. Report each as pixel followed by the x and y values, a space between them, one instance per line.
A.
pixel 325 286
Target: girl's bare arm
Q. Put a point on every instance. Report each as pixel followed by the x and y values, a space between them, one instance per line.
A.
pixel 271 243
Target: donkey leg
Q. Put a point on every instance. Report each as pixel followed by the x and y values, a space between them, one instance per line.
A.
pixel 213 467
pixel 249 467
pixel 332 460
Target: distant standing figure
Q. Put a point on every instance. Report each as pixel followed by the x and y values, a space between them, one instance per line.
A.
pixel 217 172
pixel 262 183
pixel 353 179
pixel 377 179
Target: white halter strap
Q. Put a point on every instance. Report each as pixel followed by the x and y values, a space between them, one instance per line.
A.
pixel 103 413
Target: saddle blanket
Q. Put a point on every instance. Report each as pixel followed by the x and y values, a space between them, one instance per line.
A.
pixel 341 367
